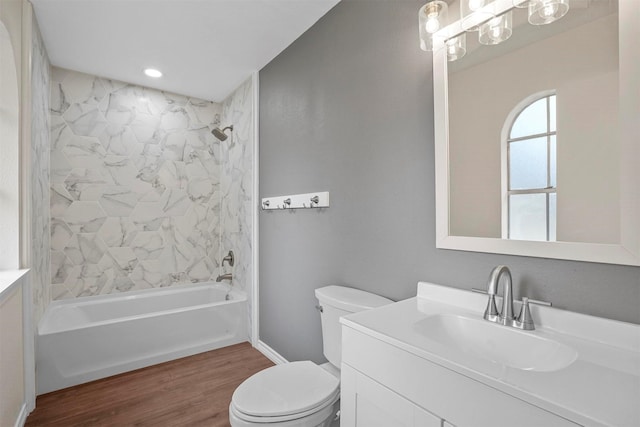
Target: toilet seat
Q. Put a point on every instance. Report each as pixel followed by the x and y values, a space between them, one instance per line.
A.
pixel 311 417
pixel 285 392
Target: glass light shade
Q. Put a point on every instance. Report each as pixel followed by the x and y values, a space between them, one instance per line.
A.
pixel 431 18
pixel 496 30
pixel 543 12
pixel 456 47
pixel 474 12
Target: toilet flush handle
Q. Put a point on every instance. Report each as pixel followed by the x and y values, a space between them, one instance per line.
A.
pixel 319 308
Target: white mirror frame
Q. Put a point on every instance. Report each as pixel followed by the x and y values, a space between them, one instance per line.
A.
pixel 627 252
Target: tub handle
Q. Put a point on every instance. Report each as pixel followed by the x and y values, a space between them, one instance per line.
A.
pixel 230 258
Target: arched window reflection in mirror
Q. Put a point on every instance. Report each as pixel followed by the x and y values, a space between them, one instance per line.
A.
pixel 530 193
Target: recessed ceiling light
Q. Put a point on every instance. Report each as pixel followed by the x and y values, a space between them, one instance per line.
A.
pixel 152 72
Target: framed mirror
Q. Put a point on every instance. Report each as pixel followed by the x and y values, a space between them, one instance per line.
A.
pixel 537 136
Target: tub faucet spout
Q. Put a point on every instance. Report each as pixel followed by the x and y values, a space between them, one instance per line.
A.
pixel 222 277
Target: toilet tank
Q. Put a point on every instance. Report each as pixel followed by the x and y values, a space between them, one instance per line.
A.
pixel 337 301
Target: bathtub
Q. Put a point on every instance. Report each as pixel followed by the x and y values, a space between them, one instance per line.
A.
pixel 88 338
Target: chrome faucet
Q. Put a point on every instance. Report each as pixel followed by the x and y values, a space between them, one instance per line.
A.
pixel 505 316
pixel 222 277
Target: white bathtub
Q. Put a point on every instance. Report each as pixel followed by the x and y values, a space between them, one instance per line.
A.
pixel 88 338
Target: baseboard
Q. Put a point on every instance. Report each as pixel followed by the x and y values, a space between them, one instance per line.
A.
pixel 22 416
pixel 270 353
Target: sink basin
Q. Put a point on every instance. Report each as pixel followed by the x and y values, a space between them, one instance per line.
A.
pixel 497 343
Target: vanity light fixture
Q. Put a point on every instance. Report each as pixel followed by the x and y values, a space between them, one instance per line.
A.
pixel 496 30
pixel 480 15
pixel 152 72
pixel 456 47
pixel 431 16
pixel 474 12
pixel 521 4
pixel 543 12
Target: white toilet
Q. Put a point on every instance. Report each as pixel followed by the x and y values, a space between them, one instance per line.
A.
pixel 303 394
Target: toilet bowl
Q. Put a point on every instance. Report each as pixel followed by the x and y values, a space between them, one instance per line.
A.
pixel 303 394
pixel 292 394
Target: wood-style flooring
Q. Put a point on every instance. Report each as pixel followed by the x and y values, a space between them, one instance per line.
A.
pixel 193 391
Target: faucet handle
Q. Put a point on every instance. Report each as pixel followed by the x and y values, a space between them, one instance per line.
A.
pixel 230 258
pixel 491 312
pixel 538 302
pixel 525 321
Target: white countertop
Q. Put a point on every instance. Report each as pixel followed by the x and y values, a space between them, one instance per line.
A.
pixel 8 278
pixel 601 387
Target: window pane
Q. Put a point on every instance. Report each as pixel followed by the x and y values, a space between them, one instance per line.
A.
pixel 532 120
pixel 552 217
pixel 528 164
pixel 552 161
pixel 552 113
pixel 528 216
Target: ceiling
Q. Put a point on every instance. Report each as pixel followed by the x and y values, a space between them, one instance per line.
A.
pixel 204 48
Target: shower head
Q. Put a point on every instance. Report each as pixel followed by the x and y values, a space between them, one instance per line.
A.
pixel 219 133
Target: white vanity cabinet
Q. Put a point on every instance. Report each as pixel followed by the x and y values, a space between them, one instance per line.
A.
pixel 385 385
pixel 433 360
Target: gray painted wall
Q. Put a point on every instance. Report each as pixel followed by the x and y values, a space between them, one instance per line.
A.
pixel 348 108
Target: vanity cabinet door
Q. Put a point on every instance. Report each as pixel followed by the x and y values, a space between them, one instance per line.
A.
pixel 366 403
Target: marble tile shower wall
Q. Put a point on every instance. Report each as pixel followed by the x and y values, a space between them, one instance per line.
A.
pixel 40 142
pixel 237 184
pixel 135 187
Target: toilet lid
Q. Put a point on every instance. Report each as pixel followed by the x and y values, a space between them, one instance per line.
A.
pixel 286 389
